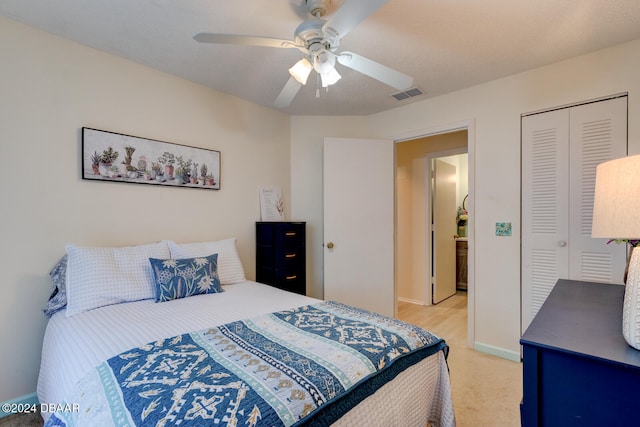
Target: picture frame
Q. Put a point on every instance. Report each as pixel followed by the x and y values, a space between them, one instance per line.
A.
pixel 116 157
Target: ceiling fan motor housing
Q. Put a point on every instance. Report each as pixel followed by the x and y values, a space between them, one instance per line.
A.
pixel 318 8
pixel 313 32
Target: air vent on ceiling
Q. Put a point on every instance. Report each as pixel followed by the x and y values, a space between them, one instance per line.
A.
pixel 406 94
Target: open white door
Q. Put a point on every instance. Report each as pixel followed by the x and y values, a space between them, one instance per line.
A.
pixel 444 228
pixel 359 247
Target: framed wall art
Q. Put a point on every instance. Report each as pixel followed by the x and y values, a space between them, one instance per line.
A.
pixel 115 157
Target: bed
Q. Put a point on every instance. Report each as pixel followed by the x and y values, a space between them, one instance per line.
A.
pixel 254 354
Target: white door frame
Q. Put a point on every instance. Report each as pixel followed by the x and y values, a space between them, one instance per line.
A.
pixel 469 126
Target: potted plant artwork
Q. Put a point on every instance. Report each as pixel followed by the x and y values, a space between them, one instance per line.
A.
pixel 193 177
pixel 167 159
pixel 203 172
pixel 110 156
pixel 95 162
pixel 142 167
pixel 106 161
pixel 113 172
pixel 183 171
pixel 127 168
pixel 156 170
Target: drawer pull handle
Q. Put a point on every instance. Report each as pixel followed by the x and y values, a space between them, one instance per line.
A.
pixel 290 233
pixel 291 277
pixel 290 256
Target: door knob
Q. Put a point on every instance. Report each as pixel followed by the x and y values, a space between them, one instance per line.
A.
pixel 330 245
pixel 562 243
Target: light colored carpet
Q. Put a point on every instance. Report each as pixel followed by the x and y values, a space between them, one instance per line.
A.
pixel 486 389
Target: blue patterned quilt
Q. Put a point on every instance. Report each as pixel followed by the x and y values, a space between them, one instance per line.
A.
pixel 307 365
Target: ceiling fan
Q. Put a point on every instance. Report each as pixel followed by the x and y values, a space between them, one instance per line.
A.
pixel 318 40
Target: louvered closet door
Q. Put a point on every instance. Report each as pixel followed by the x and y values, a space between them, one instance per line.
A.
pixel 560 152
pixel 545 207
pixel 598 132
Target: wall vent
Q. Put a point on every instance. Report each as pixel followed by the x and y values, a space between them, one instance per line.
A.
pixel 406 94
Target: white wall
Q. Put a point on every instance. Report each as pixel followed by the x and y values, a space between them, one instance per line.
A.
pixel 49 89
pixel 495 109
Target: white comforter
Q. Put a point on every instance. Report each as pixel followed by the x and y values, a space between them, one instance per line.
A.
pixel 73 346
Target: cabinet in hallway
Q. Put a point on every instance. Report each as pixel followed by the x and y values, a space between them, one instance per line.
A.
pixel 461 264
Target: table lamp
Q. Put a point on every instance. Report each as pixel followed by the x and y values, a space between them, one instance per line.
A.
pixel 616 215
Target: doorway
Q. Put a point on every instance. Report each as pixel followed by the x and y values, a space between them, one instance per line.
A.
pixel 413 212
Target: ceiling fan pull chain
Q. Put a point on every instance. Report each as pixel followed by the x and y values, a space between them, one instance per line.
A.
pixel 317 86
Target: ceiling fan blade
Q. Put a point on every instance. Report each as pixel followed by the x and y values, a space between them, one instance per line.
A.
pixel 288 92
pixel 373 69
pixel 243 40
pixel 350 14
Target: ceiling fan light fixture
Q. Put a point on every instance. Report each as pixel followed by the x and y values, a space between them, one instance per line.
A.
pixel 330 77
pixel 324 64
pixel 301 70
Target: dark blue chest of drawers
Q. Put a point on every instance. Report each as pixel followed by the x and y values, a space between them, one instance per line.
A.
pixel 577 368
pixel 280 255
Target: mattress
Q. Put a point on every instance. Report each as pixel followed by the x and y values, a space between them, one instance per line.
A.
pixel 73 346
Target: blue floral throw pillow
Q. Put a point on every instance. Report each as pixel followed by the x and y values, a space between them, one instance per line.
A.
pixel 181 278
pixel 58 298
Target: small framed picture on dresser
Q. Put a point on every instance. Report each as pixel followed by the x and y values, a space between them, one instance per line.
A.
pixel 271 204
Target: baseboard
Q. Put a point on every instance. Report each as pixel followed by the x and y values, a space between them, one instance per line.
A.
pixel 27 400
pixel 497 351
pixel 411 301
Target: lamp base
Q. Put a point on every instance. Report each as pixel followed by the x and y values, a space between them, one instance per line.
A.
pixel 631 305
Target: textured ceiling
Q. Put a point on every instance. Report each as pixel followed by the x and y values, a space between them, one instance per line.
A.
pixel 445 45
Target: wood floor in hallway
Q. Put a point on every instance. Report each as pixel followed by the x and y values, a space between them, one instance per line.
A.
pixel 486 389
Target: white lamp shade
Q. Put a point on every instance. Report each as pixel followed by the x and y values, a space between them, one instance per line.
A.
pixel 616 205
pixel 301 70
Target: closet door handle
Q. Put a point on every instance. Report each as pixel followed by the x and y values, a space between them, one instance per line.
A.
pixel 562 243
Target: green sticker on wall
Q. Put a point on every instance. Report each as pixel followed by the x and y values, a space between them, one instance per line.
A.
pixel 503 229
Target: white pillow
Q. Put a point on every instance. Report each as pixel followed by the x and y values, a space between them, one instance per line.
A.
pixel 103 276
pixel 230 269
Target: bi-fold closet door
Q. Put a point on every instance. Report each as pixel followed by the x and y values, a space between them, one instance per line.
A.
pixel 560 152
